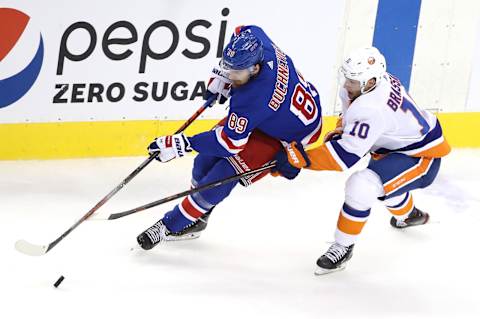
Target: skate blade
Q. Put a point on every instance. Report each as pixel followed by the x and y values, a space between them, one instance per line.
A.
pixel 403 226
pixel 171 239
pixel 183 237
pixel 322 271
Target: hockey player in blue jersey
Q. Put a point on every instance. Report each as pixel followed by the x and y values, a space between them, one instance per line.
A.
pixel 270 102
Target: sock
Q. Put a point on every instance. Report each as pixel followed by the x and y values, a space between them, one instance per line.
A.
pixel 350 224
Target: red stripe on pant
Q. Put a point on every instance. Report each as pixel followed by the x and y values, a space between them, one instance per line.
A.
pixel 190 209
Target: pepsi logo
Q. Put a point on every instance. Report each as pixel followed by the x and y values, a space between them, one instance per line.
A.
pixel 21 55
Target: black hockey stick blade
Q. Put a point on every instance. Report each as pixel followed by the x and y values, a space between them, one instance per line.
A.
pixel 191 191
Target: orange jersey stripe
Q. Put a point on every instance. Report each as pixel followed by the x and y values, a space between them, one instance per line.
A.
pixel 408 176
pixel 404 210
pixel 437 151
pixel 322 159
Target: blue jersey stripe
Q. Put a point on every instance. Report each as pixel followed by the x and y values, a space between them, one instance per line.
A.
pixel 431 136
pixel 349 159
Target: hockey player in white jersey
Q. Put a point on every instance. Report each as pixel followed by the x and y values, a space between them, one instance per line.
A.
pixel 379 118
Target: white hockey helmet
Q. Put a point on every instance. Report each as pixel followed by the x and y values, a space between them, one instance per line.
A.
pixel 364 64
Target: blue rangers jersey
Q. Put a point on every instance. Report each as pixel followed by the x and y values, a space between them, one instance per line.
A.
pixel 277 101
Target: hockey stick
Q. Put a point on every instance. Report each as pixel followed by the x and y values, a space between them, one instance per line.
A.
pixel 27 248
pixel 191 191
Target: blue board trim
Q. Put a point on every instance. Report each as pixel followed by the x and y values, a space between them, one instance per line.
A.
pixel 395 35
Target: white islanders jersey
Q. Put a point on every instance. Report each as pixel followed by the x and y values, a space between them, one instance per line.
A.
pixel 382 121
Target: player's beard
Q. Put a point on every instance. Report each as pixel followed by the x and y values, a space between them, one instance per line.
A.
pixel 238 83
pixel 353 95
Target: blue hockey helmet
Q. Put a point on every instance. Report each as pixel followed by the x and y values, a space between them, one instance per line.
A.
pixel 244 51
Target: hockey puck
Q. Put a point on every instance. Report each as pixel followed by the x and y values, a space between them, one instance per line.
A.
pixel 58 282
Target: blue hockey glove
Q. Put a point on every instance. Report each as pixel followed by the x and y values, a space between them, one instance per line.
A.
pixel 290 160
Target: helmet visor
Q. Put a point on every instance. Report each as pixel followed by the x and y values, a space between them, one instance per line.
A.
pixel 236 75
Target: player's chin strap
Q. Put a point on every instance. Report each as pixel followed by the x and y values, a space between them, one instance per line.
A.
pixel 362 89
pixel 193 191
pixel 377 81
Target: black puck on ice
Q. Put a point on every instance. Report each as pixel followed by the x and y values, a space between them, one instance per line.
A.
pixel 58 282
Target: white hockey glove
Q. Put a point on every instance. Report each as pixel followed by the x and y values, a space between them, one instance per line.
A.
pixel 220 84
pixel 170 147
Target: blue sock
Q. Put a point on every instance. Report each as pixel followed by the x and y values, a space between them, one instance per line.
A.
pixel 175 221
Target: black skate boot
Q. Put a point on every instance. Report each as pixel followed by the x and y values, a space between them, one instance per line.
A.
pixel 415 218
pixel 158 232
pixel 334 259
pixel 153 235
pixel 193 230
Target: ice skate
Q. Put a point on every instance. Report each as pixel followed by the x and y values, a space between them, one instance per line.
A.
pixel 334 259
pixel 192 231
pixel 153 235
pixel 415 218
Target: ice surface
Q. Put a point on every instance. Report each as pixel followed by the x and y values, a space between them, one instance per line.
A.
pixel 256 259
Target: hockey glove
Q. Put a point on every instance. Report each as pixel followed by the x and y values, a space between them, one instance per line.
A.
pixel 170 147
pixel 336 134
pixel 290 160
pixel 220 84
